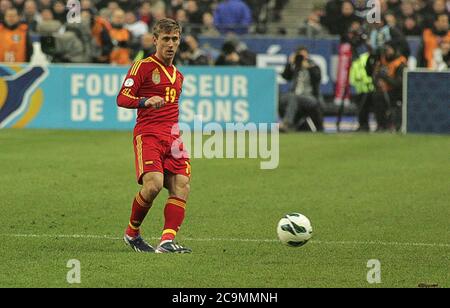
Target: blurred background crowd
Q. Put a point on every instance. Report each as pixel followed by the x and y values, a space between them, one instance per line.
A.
pixel 120 31
pixel 374 43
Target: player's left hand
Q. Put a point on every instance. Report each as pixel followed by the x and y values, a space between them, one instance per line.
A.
pixel 155 102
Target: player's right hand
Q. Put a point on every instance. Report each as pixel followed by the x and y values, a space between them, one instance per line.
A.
pixel 155 102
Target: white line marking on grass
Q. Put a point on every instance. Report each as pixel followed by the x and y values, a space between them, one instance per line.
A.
pixel 357 243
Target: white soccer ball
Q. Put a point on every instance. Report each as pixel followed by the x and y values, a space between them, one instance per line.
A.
pixel 294 230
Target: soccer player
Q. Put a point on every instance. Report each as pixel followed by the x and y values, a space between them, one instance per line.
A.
pixel 153 87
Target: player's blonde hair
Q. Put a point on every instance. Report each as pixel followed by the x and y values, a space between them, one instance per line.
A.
pixel 166 25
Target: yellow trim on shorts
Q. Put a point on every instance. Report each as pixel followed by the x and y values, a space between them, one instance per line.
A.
pixel 139 154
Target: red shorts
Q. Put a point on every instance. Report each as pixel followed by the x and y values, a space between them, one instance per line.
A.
pixel 160 154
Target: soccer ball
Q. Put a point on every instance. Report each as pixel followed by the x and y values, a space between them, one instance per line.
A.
pixel 294 230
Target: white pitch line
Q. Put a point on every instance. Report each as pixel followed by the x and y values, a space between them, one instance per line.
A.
pixel 358 243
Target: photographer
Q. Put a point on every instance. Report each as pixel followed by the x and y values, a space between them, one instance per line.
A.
pixel 388 79
pixel 190 53
pixel 303 99
pixel 68 43
pixel 235 52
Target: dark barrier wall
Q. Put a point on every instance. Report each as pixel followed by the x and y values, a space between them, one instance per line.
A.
pixel 427 102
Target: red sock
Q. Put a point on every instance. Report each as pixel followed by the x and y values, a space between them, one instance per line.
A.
pixel 138 212
pixel 174 216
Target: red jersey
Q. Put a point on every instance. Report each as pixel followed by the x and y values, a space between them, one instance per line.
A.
pixel 147 78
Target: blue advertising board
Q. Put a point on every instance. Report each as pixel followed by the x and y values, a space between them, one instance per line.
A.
pixel 84 97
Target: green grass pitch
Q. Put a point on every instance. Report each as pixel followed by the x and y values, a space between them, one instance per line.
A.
pixel 380 196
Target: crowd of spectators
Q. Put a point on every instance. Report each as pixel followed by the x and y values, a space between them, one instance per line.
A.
pixel 117 31
pixel 357 21
pixel 411 17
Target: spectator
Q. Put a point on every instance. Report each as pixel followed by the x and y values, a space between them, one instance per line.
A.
pixel 19 4
pixel 194 14
pixel 333 10
pixel 175 5
pixel 44 4
pixel 439 7
pixel 361 9
pixel 410 27
pixel 125 5
pixel 31 15
pixel 382 33
pixel 47 15
pixel 145 13
pixel 4 5
pixel 147 47
pixel 394 6
pixel 278 7
pixel 112 7
pixel 407 10
pixel 391 20
pixel 422 8
pixel 312 27
pixel 16 45
pixel 206 5
pixel 136 27
pixel 182 18
pixel 59 11
pixel 233 16
pixel 48 25
pixel 158 13
pixel 101 40
pixel 121 39
pixel 346 19
pixel 208 27
pixel 303 99
pixel 87 5
pixel 431 40
pixel 441 56
pixel 260 16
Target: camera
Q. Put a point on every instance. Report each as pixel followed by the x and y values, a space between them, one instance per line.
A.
pixel 184 47
pixel 299 60
pixel 67 47
pixel 48 44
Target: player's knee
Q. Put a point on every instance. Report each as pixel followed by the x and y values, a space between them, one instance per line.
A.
pixel 152 189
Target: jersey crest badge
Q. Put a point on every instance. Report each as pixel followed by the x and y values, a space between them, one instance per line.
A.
pixel 156 76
